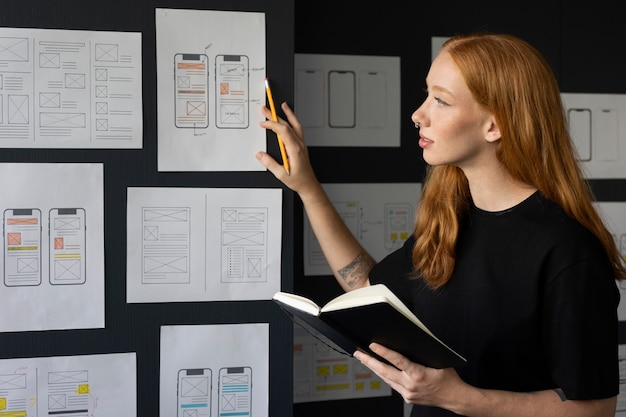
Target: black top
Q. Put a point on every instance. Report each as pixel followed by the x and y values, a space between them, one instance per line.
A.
pixel 532 303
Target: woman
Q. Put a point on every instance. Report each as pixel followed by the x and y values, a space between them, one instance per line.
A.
pixel 509 262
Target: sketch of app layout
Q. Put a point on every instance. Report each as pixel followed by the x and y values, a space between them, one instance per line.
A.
pixel 68 393
pixel 17 393
pixel 244 244
pixel 191 83
pixel 398 224
pixel 65 89
pixel 165 245
pixel 22 247
pixel 194 392
pixel 67 246
pixel 235 391
pixel 231 79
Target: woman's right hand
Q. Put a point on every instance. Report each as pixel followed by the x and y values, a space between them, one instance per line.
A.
pixel 301 176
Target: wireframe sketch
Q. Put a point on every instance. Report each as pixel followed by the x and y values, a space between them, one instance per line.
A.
pixel 69 88
pixel 22 247
pixel 231 81
pixel 398 224
pixel 16 393
pixel 166 245
pixel 310 97
pixel 244 244
pixel 191 90
pixel 67 231
pixel 235 391
pixel 69 393
pixel 194 392
pixel 341 99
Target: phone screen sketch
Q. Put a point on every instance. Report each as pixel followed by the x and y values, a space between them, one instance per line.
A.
pixel 67 232
pixel 398 224
pixel 194 392
pixel 231 81
pixel 22 247
pixel 309 97
pixel 580 129
pixel 341 99
pixel 191 90
pixel 235 391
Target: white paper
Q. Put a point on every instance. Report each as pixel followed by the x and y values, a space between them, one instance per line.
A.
pixel 70 89
pixel 214 370
pixel 211 85
pixel 614 216
pixel 597 125
pixel 53 248
pixel 348 100
pixel 88 385
pixel 194 244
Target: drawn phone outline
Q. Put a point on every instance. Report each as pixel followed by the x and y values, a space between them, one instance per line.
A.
pixel 22 247
pixel 191 91
pixel 398 224
pixel 235 391
pixel 232 90
pixel 193 392
pixel 579 122
pixel 341 99
pixel 67 234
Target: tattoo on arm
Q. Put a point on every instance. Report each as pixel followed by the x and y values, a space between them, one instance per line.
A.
pixel 356 270
pixel 561 394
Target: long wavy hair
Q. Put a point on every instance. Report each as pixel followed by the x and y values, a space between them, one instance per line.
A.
pixel 512 80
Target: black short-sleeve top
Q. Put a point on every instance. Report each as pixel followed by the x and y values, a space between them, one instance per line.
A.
pixel 532 303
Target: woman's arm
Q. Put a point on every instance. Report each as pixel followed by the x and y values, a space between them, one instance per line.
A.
pixel 348 260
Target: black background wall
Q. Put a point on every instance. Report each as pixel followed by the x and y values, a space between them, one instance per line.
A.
pixel 136 327
pixel 586 47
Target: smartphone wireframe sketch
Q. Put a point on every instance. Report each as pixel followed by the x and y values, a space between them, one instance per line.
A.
pixel 235 391
pixel 232 90
pixel 372 103
pixel 580 131
pixel 398 224
pixel 191 90
pixel 341 98
pixel 22 247
pixel 309 97
pixel 67 232
pixel 194 392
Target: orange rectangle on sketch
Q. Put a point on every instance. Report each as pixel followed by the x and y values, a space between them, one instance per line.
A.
pixel 29 220
pixel 58 243
pixel 14 238
pixel 183 65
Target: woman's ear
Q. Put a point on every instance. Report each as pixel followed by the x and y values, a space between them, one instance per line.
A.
pixel 493 132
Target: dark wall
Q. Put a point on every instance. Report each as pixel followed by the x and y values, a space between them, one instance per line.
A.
pixel 136 327
pixel 584 46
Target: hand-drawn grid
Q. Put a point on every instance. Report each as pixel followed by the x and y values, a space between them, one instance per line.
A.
pixel 68 254
pixel 166 244
pixel 231 75
pixel 69 393
pixel 235 391
pixel 194 392
pixel 22 247
pixel 244 244
pixel 16 394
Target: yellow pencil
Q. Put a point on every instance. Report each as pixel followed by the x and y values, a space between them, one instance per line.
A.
pixel 281 145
